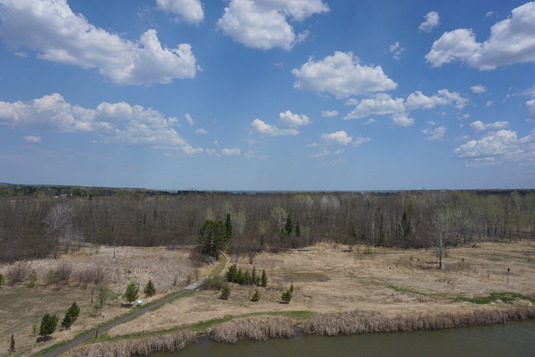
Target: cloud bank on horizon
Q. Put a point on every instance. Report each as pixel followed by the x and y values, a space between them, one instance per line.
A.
pixel 268 94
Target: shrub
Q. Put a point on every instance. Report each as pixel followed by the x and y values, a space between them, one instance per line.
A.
pixel 33 279
pixel 18 273
pixel 256 295
pixel 149 290
pixel 213 283
pixel 225 292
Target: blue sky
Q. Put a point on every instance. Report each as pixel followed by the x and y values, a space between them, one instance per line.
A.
pixel 268 94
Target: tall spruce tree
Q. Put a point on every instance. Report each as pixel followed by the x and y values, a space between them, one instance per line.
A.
pixel 264 279
pixel 48 325
pixel 71 315
pixel 132 292
pixel 150 289
pixel 228 226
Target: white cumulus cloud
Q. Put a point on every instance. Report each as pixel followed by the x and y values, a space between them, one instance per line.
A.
pixel 329 113
pixel 261 127
pixel 399 108
pixel 432 20
pixel 33 139
pixel 437 133
pixel 50 28
pixel 342 75
pixel 498 147
pixel 121 122
pixel 511 41
pixel 478 125
pixel 263 24
pixel 231 152
pixel 338 138
pixel 396 50
pixel 478 89
pixel 190 11
pixel 291 120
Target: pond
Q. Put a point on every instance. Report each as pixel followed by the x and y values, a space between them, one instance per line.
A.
pixel 512 339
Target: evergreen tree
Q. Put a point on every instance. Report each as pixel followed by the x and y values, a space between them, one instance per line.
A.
pixel 225 292
pixel 132 292
pixel 12 344
pixel 48 325
pixel 228 226
pixel 231 274
pixel 297 230
pixel 213 238
pixel 286 296
pixel 149 290
pixel 2 280
pixel 247 278
pixel 256 295
pixel 254 277
pixel 264 279
pixel 240 277
pixel 71 315
pixel 292 288
pixel 288 227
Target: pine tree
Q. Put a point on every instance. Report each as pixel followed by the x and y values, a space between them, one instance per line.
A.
pixel 149 290
pixel 264 279
pixel 232 273
pixel 228 226
pixel 70 316
pixel 286 296
pixel 247 278
pixel 240 277
pixel 2 280
pixel 48 325
pixel 292 288
pixel 254 277
pixel 288 227
pixel 225 292
pixel 132 292
pixel 256 295
pixel 297 230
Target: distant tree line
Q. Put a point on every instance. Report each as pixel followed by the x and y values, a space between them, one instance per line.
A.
pixel 37 225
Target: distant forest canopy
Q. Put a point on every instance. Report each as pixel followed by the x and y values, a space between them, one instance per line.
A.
pixel 35 221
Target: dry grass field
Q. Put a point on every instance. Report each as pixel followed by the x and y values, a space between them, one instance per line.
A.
pixel 21 307
pixel 391 281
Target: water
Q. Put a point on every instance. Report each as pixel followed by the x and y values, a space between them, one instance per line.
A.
pixel 514 339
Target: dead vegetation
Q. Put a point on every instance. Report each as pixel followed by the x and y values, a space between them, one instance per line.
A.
pixel 258 328
pixel 361 322
pixel 171 342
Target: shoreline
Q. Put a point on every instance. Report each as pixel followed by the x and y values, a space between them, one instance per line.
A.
pixel 264 327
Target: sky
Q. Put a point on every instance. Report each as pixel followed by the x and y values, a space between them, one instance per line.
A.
pixel 291 95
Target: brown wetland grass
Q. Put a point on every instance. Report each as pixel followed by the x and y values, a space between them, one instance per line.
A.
pixel 258 328
pixel 171 342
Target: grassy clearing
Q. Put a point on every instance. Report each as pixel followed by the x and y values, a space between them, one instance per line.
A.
pixel 506 297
